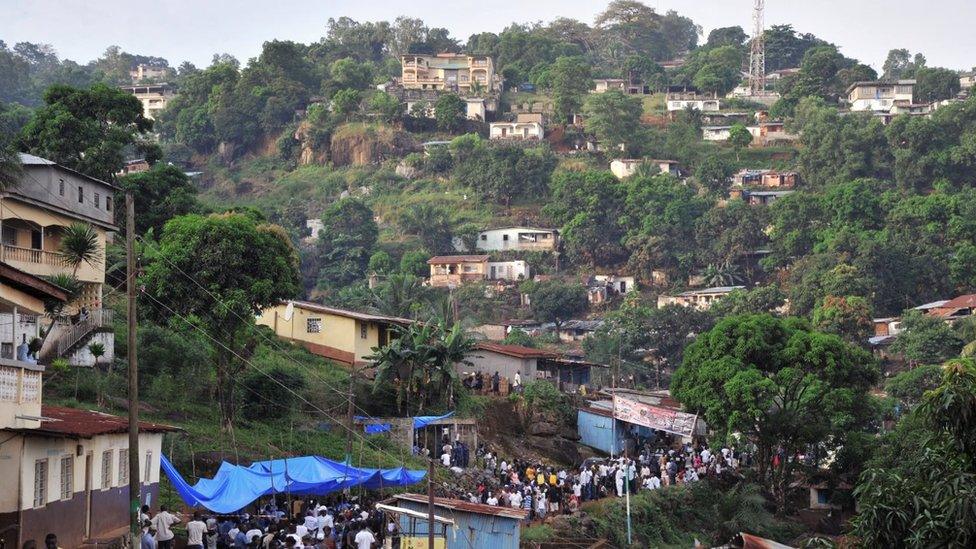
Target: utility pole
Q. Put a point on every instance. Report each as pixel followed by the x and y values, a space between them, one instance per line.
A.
pixel 130 258
pixel 350 411
pixel 430 502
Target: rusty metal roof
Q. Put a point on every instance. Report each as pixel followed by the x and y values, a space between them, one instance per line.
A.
pixel 516 351
pixel 441 259
pixel 467 506
pixel 88 423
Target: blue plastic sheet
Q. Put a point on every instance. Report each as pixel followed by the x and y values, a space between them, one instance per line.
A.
pixel 422 421
pixel 234 486
pixel 374 429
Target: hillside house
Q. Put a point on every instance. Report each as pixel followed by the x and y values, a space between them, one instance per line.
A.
pixel 577 330
pixel 522 239
pixel 758 198
pixel 449 72
pixel 603 85
pixel 34 214
pixel 880 95
pixel 765 178
pixel 518 131
pixel 454 270
pixel 143 72
pixel 681 100
pixel 154 97
pixel 600 288
pixel 967 81
pixel 65 470
pixel 698 299
pixel 347 337
pixel 716 133
pixel 531 364
pixel 626 167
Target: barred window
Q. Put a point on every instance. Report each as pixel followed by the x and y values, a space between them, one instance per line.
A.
pixel 67 477
pixel 106 469
pixel 40 483
pixel 313 325
pixel 123 467
pixel 146 475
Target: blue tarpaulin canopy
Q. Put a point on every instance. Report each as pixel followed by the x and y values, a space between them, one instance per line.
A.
pixel 234 486
pixel 419 422
pixel 422 421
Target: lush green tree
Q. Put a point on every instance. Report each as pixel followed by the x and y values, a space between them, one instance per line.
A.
pixel 900 64
pixel 557 301
pixel 779 383
pixel 917 493
pixel 762 299
pixel 420 363
pixel 505 172
pixel 160 194
pixel 80 244
pixel 846 316
pixel 431 224
pixel 714 173
pixel 615 119
pixel 387 107
pixel 380 263
pixel 926 339
pixel 219 271
pixel 270 394
pixel 403 295
pixel 718 70
pixel 587 205
pixel 519 337
pixel 726 36
pixel 739 138
pixel 927 150
pixel 785 47
pixel 449 111
pixel 415 263
pixel 910 386
pixel 341 254
pixel 570 80
pixel 935 84
pixel 345 103
pixel 349 74
pixel 86 130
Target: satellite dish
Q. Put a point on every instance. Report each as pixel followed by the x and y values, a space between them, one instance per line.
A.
pixel 289 310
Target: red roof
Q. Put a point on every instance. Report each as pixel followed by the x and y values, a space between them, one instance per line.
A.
pixel 88 423
pixel 442 259
pixel 516 351
pixel 967 301
pixel 467 506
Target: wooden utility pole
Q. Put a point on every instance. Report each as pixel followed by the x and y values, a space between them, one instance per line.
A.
pixel 430 502
pixel 130 286
pixel 350 411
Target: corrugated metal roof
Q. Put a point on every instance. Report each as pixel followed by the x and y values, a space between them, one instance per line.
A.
pixel 440 259
pixel 715 290
pixel 516 351
pixel 31 160
pixel 89 423
pixel 351 314
pixel 467 506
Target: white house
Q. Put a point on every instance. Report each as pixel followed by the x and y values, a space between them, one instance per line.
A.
pixel 515 130
pixel 679 101
pixel 626 167
pixel 880 95
pixel 698 299
pixel 966 81
pixel 508 270
pixel 514 238
pixel 716 133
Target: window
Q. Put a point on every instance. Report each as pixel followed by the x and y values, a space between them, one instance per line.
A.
pixel 67 477
pixel 123 467
pixel 363 330
pixel 106 469
pixel 9 236
pixel 40 483
pixel 484 237
pixel 61 187
pixel 81 194
pixel 505 237
pixel 98 199
pixel 108 203
pixel 313 325
pixel 148 468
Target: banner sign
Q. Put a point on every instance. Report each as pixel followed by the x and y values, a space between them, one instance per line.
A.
pixel 654 417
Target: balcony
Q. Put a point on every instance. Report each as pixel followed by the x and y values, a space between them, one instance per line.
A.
pixel 34 256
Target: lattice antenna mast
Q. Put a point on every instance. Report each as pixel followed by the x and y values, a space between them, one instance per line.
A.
pixel 757 57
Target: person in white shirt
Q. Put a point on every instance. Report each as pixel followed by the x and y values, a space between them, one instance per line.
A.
pixel 311 521
pixel 515 500
pixel 232 534
pixel 446 459
pixel 652 482
pixel 365 539
pixel 253 533
pixel 162 523
pixel 492 500
pixel 301 530
pixel 325 520
pixel 194 532
pixel 577 490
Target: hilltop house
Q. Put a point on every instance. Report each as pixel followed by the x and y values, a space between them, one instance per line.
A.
pixel 626 167
pixel 699 299
pixel 449 72
pixel 63 467
pixel 758 198
pixel 347 337
pixel 154 97
pixel 454 270
pixel 880 95
pixel 143 72
pixel 531 364
pixel 681 100
pixel 518 131
pixel 34 214
pixel 765 178
pixel 523 239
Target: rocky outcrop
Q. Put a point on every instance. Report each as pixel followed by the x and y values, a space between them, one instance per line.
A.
pixel 357 145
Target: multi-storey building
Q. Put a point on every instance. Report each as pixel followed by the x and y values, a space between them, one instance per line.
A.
pixel 154 97
pixel 880 95
pixel 449 72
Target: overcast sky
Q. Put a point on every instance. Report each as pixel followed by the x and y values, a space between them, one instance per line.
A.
pixel 194 30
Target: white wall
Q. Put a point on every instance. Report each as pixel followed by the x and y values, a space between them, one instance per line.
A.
pixel 508 270
pixel 495 240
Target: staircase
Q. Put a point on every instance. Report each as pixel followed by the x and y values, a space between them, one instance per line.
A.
pixel 66 338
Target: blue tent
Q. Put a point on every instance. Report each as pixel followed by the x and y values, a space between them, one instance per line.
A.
pixel 234 486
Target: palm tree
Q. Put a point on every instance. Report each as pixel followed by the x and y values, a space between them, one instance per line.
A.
pixel 79 244
pixel 397 295
pixel 726 273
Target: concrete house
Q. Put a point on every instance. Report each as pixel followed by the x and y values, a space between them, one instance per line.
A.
pixel 65 470
pixel 626 167
pixel 699 299
pixel 154 97
pixel 880 95
pixel 681 100
pixel 519 131
pixel 449 72
pixel 474 526
pixel 455 270
pixel 523 239
pixel 758 198
pixel 347 337
pixel 489 358
pixel 600 288
pixel 34 215
pixel 143 72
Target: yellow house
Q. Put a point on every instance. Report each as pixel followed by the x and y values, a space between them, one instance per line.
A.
pixel 344 336
pixel 448 72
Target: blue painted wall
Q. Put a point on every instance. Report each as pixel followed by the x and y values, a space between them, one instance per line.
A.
pixel 596 431
pixel 474 530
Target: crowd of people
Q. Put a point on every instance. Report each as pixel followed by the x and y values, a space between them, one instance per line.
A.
pixel 313 525
pixel 542 490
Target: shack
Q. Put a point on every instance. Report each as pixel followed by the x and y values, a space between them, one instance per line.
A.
pixel 610 427
pixel 476 526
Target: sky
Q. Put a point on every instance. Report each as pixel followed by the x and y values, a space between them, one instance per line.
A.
pixel 193 30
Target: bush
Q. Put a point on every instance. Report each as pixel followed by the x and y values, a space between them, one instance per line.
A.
pixel 542 395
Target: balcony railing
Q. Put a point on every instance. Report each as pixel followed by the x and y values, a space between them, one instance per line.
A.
pixel 32 255
pixel 98 318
